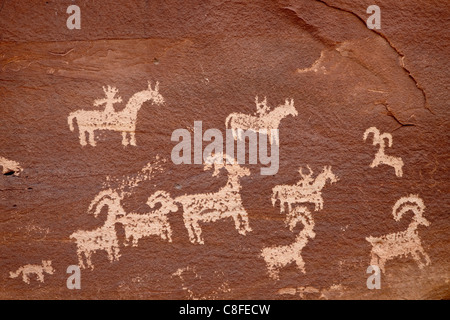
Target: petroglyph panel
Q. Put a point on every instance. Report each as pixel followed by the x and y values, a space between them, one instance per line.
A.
pixel 357 116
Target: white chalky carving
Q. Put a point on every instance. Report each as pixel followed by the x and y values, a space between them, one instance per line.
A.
pixel 210 207
pixel 104 237
pixel 306 190
pixel 402 243
pixel 123 121
pixel 31 269
pixel 10 166
pixel 264 122
pixel 156 222
pixel 278 257
pixel 380 156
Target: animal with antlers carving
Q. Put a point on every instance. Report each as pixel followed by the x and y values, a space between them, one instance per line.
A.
pixel 223 204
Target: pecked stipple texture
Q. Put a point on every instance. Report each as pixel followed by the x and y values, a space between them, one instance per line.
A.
pixel 85 150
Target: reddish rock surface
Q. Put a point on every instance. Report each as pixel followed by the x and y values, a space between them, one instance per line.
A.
pixel 211 59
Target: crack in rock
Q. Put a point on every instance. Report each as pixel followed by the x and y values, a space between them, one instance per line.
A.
pixel 402 56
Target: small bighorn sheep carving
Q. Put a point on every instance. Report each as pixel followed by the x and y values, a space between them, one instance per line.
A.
pixel 380 156
pixel 402 243
pixel 37 270
pixel 264 122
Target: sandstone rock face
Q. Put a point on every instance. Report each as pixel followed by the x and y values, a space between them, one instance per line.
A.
pixel 87 117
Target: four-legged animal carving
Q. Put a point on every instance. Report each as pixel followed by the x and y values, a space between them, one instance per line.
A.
pixel 306 190
pixel 380 156
pixel 104 237
pixel 402 243
pixel 278 257
pixel 37 270
pixel 264 122
pixel 137 225
pixel 123 121
pixel 210 207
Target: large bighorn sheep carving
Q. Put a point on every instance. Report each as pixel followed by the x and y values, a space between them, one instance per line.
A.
pixel 402 243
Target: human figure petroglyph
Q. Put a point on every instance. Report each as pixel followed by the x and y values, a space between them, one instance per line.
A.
pixel 261 107
pixel 210 207
pixel 123 121
pixel 264 122
pixel 31 269
pixel 380 156
pixel 156 222
pixel 10 166
pixel 109 101
pixel 306 190
pixel 402 243
pixel 104 237
pixel 278 257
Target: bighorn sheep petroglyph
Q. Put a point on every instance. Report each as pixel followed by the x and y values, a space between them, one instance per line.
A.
pixel 156 222
pixel 402 243
pixel 225 203
pixel 104 237
pixel 278 257
pixel 380 156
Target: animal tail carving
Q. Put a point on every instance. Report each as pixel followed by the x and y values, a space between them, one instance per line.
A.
pixel 70 120
pixel 15 274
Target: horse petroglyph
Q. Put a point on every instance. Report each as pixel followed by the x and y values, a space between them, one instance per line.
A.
pixel 263 119
pixel 123 121
pixel 10 167
pixel 380 156
pixel 210 207
pixel 307 189
pixel 35 269
pixel 402 243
